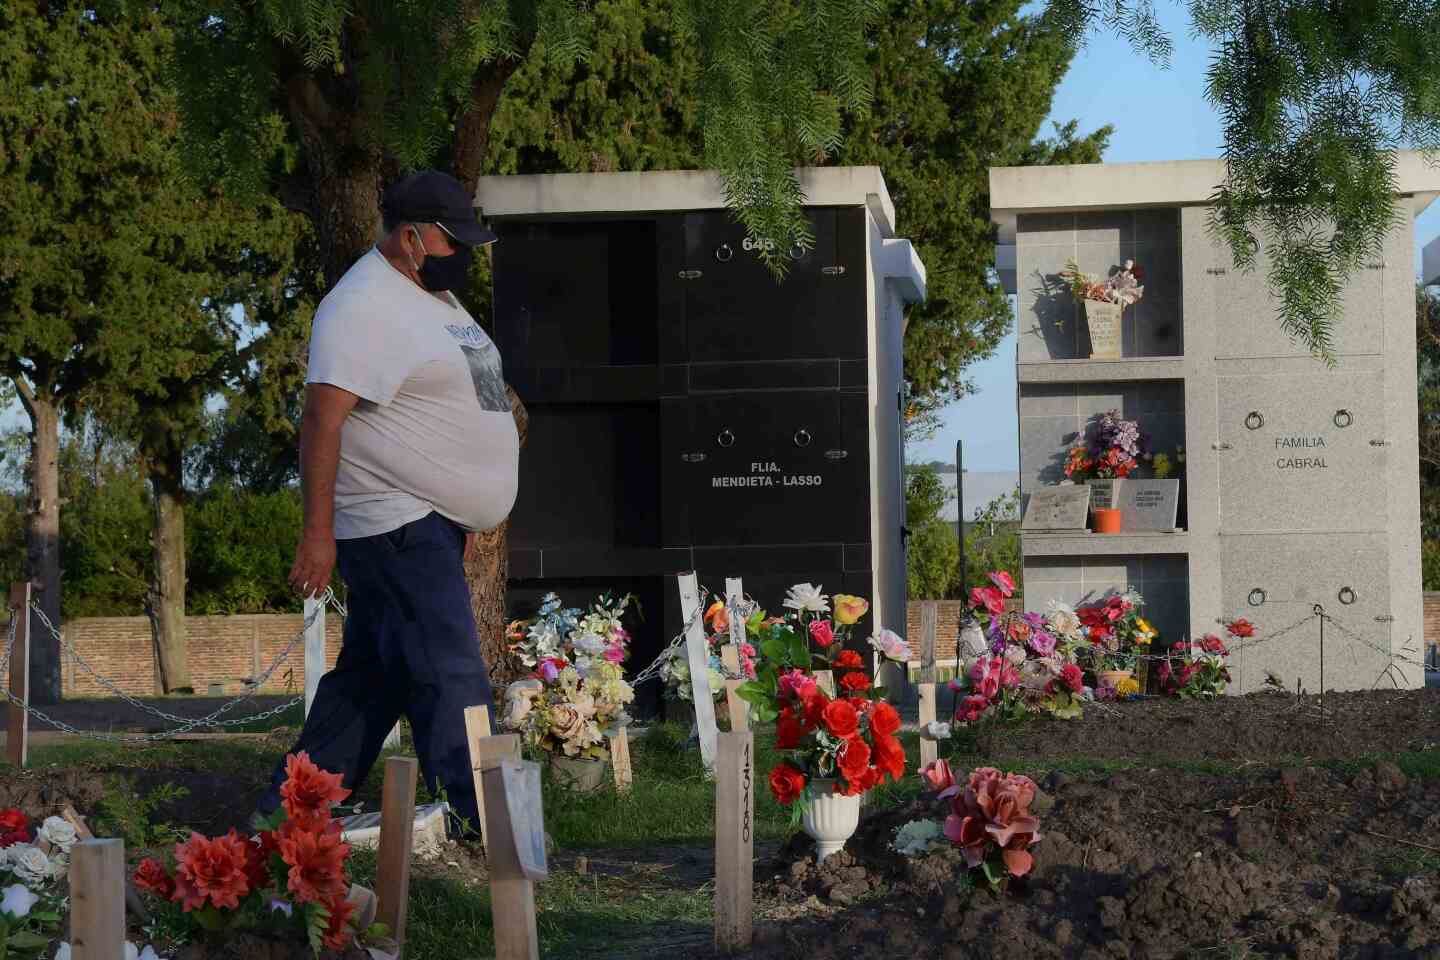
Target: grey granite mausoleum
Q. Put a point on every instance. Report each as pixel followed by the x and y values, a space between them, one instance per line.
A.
pixel 1300 482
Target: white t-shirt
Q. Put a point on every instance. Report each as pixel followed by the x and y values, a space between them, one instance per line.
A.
pixel 433 429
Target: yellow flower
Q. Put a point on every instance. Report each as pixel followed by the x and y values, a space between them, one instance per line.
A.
pixel 1127 687
pixel 1144 633
pixel 849 609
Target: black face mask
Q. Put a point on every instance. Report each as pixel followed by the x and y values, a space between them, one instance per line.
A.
pixel 444 273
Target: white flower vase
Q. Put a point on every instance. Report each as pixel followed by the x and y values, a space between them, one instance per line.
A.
pixel 1104 320
pixel 830 818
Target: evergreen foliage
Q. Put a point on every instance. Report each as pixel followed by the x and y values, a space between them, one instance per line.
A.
pixel 1313 97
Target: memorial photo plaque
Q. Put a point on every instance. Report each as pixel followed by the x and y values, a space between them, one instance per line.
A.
pixel 1057 508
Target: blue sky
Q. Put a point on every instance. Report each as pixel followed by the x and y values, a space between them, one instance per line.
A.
pixel 1157 115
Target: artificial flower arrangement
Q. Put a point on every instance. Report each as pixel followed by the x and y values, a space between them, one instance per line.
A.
pixel 577 695
pixel 676 670
pixel 1125 286
pixel 988 817
pixel 1029 665
pixel 34 863
pixel 845 744
pixel 1117 448
pixel 1197 671
pixel 1117 635
pixel 289 880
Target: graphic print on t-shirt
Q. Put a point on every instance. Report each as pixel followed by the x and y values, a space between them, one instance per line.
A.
pixel 485 370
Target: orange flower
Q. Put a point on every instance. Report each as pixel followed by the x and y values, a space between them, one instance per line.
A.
pixel 337 928
pixel 317 864
pixel 855 682
pixel 150 875
pixel 849 659
pixel 211 870
pixel 717 617
pixel 309 791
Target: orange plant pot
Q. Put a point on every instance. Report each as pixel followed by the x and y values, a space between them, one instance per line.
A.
pixel 1107 521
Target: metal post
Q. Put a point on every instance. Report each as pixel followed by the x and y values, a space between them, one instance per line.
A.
pixel 960 510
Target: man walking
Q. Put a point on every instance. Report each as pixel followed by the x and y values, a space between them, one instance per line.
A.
pixel 406 443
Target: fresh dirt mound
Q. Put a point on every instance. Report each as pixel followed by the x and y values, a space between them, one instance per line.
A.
pixel 1147 864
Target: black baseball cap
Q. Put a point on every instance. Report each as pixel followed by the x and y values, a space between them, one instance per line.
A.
pixel 434 197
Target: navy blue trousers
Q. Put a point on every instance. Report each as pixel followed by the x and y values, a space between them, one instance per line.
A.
pixel 411 648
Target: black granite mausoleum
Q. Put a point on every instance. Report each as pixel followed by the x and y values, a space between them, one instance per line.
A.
pixel 688 411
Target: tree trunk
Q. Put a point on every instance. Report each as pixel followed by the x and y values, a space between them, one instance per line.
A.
pixel 167 593
pixel 487 571
pixel 42 544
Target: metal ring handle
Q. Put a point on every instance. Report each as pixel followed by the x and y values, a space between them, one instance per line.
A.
pixel 1257 597
pixel 1345 416
pixel 725 438
pixel 797 251
pixel 802 438
pixel 1254 421
pixel 724 253
pixel 1346 596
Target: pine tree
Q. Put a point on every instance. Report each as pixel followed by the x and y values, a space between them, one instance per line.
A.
pixel 1313 96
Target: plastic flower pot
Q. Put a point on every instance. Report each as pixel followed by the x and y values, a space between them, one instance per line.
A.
pixel 1103 320
pixel 1113 677
pixel 1107 520
pixel 830 818
pixel 578 774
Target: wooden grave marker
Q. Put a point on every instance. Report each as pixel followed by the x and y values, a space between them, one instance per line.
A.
pixel 97 900
pixel 735 841
pixel 17 731
pixel 516 856
pixel 730 657
pixel 698 656
pixel 929 617
pixel 397 826
pixel 620 760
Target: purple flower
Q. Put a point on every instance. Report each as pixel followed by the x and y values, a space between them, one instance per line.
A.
pixel 548 671
pixel 1042 642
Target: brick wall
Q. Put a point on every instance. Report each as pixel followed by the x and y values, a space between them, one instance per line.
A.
pixel 223 650
pixel 947 625
pixel 1432 626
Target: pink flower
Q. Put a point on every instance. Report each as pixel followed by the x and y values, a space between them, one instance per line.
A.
pixel 1042 643
pixel 971 709
pixel 1071 676
pixel 1003 583
pixel 990 686
pixel 938 776
pixel 822 633
pixel 988 599
pixel 747 651
pixel 797 684
pixel 1009 677
pixel 615 654
pixel 993 813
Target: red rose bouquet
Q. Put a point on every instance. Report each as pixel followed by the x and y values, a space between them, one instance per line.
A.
pixel 1197 671
pixel 843 742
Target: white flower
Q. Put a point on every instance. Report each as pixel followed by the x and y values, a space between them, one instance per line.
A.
pixel 937 730
pixel 29 864
pixel 889 643
pixel 589 643
pixel 804 597
pixel 16 901
pixel 59 833
pixel 916 837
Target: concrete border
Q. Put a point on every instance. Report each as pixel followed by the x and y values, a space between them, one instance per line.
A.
pixel 669 190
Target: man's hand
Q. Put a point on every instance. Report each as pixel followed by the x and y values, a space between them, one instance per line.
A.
pixel 314 562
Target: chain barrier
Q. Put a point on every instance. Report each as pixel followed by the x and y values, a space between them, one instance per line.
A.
pixel 666 655
pixel 185 724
